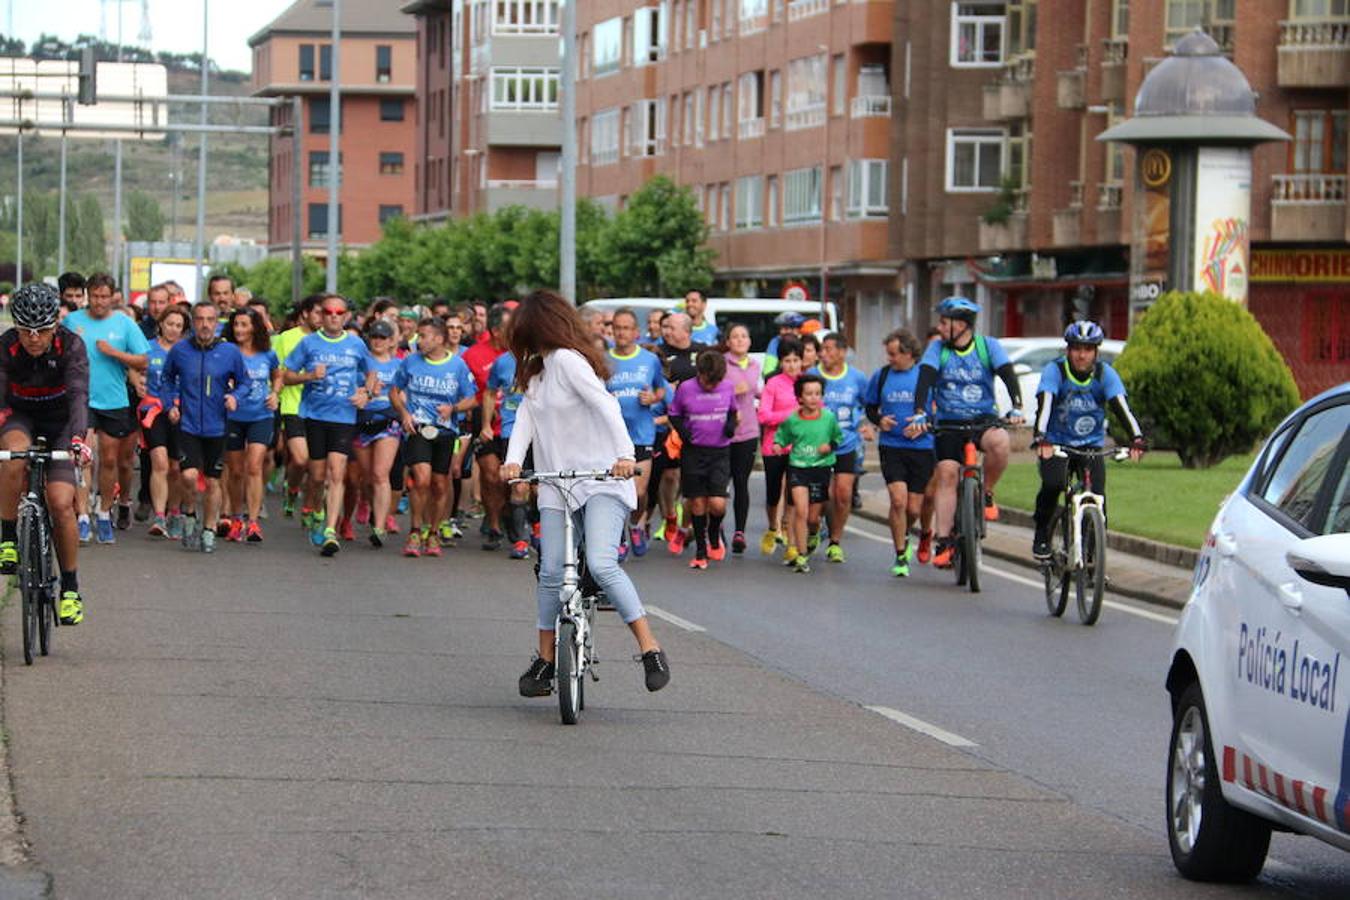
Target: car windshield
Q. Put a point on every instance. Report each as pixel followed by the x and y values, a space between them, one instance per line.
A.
pixel 760 325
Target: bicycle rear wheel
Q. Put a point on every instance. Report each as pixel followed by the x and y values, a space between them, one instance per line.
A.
pixel 971 511
pixel 1054 569
pixel 1091 576
pixel 568 673
pixel 30 580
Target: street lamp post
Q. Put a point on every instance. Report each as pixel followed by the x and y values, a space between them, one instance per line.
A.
pixel 334 145
pixel 199 243
pixel 567 229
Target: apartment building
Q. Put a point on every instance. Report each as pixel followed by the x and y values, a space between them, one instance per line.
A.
pixel 1054 236
pixel 293 56
pixel 776 114
pixel 433 153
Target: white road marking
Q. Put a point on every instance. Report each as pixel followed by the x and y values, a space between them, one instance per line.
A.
pixel 673 619
pixel 919 725
pixel 1036 583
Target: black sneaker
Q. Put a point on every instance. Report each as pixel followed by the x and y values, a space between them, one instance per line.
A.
pixel 143 512
pixel 123 516
pixel 538 679
pixel 657 668
pixel 1040 545
pixel 493 541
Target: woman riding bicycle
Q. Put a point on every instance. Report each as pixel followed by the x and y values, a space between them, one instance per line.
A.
pixel 571 421
pixel 1071 402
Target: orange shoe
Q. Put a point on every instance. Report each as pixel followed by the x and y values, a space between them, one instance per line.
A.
pixel 345 529
pixel 990 508
pixel 698 563
pixel 718 553
pixel 675 539
pixel 945 551
pixel 236 532
pixel 925 547
pixel 254 533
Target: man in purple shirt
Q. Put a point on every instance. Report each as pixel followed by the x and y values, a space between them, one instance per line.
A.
pixel 703 413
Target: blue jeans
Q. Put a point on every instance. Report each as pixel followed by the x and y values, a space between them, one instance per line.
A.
pixel 602 520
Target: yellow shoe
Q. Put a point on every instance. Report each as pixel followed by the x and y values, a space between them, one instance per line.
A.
pixel 71 609
pixel 768 543
pixel 9 558
pixel 790 555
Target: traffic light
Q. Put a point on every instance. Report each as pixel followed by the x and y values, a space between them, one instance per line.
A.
pixel 88 77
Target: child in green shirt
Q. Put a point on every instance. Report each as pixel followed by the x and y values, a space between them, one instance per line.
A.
pixel 811 435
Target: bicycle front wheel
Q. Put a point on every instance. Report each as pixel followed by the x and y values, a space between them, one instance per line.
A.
pixel 1053 569
pixel 971 511
pixel 568 673
pixel 30 580
pixel 1091 576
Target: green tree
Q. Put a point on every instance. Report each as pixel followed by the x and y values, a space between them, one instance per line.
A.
pixel 271 280
pixel 145 220
pixel 1204 377
pixel 655 245
pixel 88 251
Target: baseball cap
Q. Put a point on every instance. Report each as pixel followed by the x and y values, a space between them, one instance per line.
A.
pixel 408 312
pixel 381 329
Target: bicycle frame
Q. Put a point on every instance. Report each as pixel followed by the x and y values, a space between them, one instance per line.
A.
pixel 1078 496
pixel 577 608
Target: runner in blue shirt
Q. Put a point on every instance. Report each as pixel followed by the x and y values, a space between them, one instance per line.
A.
pixel 379 436
pixel 959 372
pixel 845 388
pixel 333 366
pixel 504 400
pixel 637 380
pixel 906 462
pixel 702 331
pixel 251 426
pixel 160 434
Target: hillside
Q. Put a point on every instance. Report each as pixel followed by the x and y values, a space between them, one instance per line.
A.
pixel 237 168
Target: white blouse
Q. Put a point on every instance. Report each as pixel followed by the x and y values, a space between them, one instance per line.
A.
pixel 573 422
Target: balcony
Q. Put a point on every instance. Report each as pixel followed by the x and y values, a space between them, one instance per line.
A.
pixel 1314 53
pixel 1011 233
pixel 1069 91
pixel 1308 208
pixel 1010 96
pixel 805 9
pixel 532 194
pixel 871 106
pixel 749 129
pixel 754 24
pixel 524 128
pixel 1067 224
pixel 1114 53
pixel 799 119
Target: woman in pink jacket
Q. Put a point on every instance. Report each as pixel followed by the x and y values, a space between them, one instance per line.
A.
pixel 776 403
pixel 743 373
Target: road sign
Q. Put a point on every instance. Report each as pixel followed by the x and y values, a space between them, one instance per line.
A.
pixel 147 83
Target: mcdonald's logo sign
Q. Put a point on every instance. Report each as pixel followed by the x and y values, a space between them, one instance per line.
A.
pixel 1156 167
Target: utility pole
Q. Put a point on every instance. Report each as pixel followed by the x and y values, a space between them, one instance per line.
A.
pixel 567 230
pixel 334 149
pixel 117 177
pixel 197 248
pixel 18 256
pixel 61 212
pixel 297 251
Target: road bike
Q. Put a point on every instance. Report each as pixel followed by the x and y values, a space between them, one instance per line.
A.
pixel 969 526
pixel 1078 538
pixel 574 629
pixel 38 574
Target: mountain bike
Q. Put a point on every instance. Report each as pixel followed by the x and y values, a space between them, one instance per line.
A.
pixel 574 629
pixel 1078 538
pixel 38 575
pixel 969 527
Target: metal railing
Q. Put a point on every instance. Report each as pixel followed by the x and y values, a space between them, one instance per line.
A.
pixel 1109 195
pixel 804 9
pixel 754 24
pixel 868 106
pixel 1315 33
pixel 519 183
pixel 798 119
pixel 1115 51
pixel 749 129
pixel 1075 195
pixel 1309 189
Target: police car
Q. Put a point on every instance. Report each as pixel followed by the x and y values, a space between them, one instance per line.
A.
pixel 1260 733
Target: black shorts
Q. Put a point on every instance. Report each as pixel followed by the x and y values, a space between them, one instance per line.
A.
pixel 952 444
pixel 162 433
pixel 438 451
pixel 205 454
pixel 846 463
pixel 913 467
pixel 816 480
pixel 237 434
pixel 293 427
pixel 56 430
pixel 495 447
pixel 642 452
pixel 115 423
pixel 705 471
pixel 324 438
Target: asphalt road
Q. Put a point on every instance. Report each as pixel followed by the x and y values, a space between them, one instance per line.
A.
pixel 266 723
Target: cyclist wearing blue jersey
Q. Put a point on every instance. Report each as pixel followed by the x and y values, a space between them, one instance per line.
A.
pixel 1071 402
pixel 637 380
pixel 906 462
pixel 959 370
pixel 845 388
pixel 333 365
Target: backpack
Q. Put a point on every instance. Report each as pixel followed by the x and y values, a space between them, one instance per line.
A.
pixel 1066 376
pixel 981 350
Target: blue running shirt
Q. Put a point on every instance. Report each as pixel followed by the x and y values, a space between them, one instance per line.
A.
pixel 385 373
pixel 347 359
pixel 965 386
pixel 1078 417
pixel 429 385
pixel 107 376
pixel 502 378
pixel 629 376
pixel 896 401
pixel 844 395
pixel 253 405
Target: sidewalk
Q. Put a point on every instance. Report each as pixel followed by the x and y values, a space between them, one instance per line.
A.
pixel 1128 573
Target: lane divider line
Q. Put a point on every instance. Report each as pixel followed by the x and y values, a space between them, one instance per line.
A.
pixel 673 619
pixel 919 725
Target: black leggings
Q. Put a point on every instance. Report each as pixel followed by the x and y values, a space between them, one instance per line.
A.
pixel 775 471
pixel 1054 478
pixel 742 464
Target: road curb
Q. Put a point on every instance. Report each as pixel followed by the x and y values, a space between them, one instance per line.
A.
pixel 1156 551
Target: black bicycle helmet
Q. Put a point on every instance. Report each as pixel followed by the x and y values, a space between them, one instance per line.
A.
pixel 35 306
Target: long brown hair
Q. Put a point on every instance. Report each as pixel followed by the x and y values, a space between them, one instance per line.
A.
pixel 542 322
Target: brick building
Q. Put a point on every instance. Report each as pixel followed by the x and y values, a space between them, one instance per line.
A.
pixel 432 156
pixel 292 56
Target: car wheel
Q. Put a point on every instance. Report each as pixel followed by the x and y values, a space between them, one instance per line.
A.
pixel 1211 840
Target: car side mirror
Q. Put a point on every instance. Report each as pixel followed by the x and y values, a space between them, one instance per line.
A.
pixel 1323 560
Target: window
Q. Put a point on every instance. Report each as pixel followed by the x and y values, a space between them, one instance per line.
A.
pixel 1018 156
pixel 306 62
pixel 319 116
pixel 806 92
pixel 525 17
pixel 1120 18
pixel 394 211
pixel 977 34
pixel 726 109
pixel 605 137
pixel 1326 329
pixel 391 163
pixel 647 128
pixel 1115 153
pixel 724 207
pixel 1319 145
pixel 607 47
pixel 1214 16
pixel 867 188
pixel 749 202
pixel 318 169
pixel 698 118
pixel 318 220
pixel 771 189
pixel 391 109
pixel 677 25
pixel 524 89
pixel 974 159
pixel 687 120
pixel 1305 463
pixel 715 29
pixel 840 86
pixel 690 24
pixel 1321 9
pixel 325 62
pixel 1021 28
pixel 836 193
pixel 714 112
pixel 649 35
pixel 801 196
pixel 775 98
pixel 384 63
pixel 1338 510
pixel 754 16
pixel 751 97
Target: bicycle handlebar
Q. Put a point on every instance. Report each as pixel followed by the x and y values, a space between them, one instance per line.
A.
pixel 35 453
pixel 1117 453
pixel 567 475
pixel 968 427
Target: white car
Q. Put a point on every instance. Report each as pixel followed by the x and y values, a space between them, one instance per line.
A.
pixel 1029 357
pixel 1260 737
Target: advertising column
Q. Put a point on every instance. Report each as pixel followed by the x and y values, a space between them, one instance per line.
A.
pixel 1223 205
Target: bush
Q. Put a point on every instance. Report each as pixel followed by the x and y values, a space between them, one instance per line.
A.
pixel 1204 378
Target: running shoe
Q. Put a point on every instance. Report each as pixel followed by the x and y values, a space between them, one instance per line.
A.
pixel 316 535
pixel 637 539
pixel 377 536
pixel 345 529
pixel 391 524
pixel 431 545
pixel 802 566
pixel 143 512
pixel 990 508
pixel 538 679
pixel 174 526
pixel 402 505
pixel 307 518
pixel 535 532
pixel 623 551
pixel 413 545
pixel 191 539
pixel 675 538
pixel 254 533
pixel 455 531
pixel 330 543
pixel 946 548
pixel 1040 545
pixel 446 531
pixel 698 562
pixel 157 529
pixel 769 542
pixel 84 529
pixel 655 669
pixel 208 541
pixel 812 543
pixel 223 528
pixel 900 568
pixel 738 543
pixel 71 610
pixel 790 556
pixel 925 554
pixel 288 506
pixel 835 553
pixel 236 530
pixel 718 553
pixel 123 516
pixel 659 532
pixel 520 550
pixel 105 532
pixel 363 512
pixel 492 542
pixel 9 558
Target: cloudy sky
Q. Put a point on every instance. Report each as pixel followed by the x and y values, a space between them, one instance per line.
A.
pixel 176 24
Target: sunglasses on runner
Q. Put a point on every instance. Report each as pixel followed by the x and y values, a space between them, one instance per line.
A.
pixel 334 311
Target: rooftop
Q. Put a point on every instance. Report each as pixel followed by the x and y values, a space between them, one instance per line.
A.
pixel 358 17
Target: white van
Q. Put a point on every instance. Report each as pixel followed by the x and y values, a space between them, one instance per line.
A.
pixel 757 315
